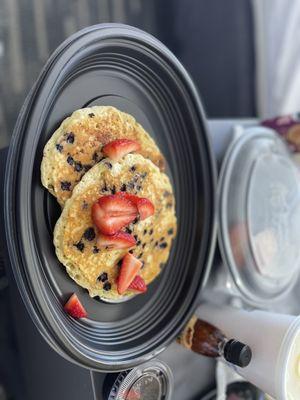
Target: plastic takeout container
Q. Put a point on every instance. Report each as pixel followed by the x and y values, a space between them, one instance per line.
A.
pixel 275 343
pixel 259 219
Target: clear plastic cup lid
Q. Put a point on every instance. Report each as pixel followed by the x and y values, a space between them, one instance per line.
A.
pixel 259 215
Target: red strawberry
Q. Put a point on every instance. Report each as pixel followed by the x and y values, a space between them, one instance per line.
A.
pixel 129 269
pixel 144 206
pixel 119 148
pixel 138 284
pixel 111 213
pixel 74 308
pixel 115 206
pixel 107 224
pixel 120 240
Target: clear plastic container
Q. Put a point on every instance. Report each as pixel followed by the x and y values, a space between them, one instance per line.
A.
pixel 259 219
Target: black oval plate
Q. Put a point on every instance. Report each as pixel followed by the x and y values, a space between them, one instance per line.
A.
pixel 124 67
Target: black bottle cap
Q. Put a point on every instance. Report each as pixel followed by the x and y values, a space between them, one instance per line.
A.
pixel 237 353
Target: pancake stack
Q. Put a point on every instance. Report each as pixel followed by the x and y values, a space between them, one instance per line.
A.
pixel 78 172
pixel 76 146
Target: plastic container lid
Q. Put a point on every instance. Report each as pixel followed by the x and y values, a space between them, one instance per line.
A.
pixel 259 215
pixel 149 381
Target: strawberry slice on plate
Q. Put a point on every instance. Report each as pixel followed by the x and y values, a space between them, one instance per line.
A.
pixel 111 213
pixel 129 270
pixel 138 284
pixel 120 240
pixel 74 308
pixel 117 149
pixel 144 206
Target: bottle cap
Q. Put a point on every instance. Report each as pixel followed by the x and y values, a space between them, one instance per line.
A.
pixel 237 353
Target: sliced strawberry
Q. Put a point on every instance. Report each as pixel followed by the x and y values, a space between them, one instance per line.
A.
pixel 144 206
pixel 138 284
pixel 120 240
pixel 97 214
pixel 116 206
pixel 129 269
pixel 112 225
pixel 111 213
pixel 119 148
pixel 74 308
pixel 109 225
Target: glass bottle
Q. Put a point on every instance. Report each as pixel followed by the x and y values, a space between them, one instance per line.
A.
pixel 207 340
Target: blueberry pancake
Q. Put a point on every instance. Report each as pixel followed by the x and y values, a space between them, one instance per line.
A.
pixel 77 145
pixel 76 237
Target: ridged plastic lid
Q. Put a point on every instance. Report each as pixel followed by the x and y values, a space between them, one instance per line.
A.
pixel 259 214
pixel 149 381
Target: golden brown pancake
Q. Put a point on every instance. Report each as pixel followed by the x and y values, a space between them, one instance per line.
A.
pixel 75 234
pixel 76 146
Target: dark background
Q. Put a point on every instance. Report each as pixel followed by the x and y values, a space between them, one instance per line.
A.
pixel 212 38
